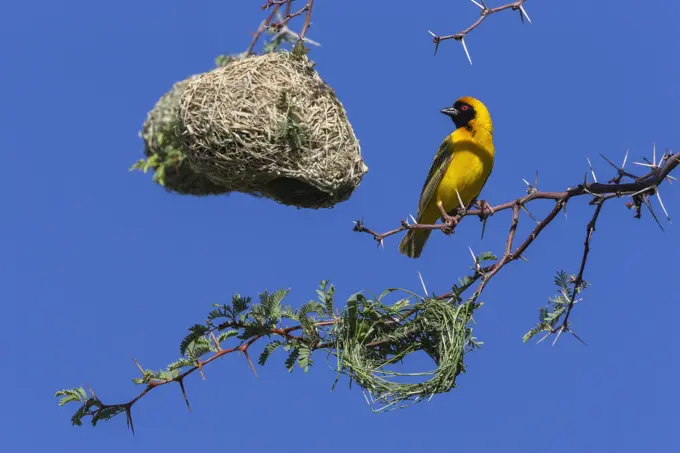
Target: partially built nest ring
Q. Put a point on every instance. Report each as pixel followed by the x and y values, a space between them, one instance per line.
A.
pixel 373 336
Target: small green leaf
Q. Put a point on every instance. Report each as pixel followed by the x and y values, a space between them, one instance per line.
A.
pixel 292 357
pixel 271 347
pixel 304 357
pixel 226 335
pixel 196 331
pixel 487 256
pixel 77 394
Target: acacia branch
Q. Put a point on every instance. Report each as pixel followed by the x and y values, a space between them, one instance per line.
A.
pixel 639 189
pixel 274 6
pixel 321 339
pixel 578 281
pixel 485 12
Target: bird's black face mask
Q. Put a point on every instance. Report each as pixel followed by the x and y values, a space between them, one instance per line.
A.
pixel 461 113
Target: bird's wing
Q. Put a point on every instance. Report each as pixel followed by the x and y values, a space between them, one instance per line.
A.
pixel 439 166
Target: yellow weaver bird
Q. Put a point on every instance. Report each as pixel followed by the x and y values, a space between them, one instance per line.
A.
pixel 458 173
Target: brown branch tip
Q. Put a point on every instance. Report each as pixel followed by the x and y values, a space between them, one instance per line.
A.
pixel 485 12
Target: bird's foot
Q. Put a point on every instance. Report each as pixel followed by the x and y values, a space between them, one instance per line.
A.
pixel 450 222
pixel 485 208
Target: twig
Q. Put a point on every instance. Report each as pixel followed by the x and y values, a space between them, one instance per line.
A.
pixel 275 6
pixel 263 26
pixel 485 12
pixel 578 281
pixel 641 184
pixel 601 193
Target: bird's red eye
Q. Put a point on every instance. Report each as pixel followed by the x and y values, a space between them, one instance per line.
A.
pixel 464 108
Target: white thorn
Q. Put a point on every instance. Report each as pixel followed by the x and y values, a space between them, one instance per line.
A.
pixel 412 218
pixel 523 258
pixel 558 335
pixel 625 159
pixel 525 13
pixel 662 206
pixel 643 164
pixel 663 159
pixel 480 6
pixel 466 50
pixel 654 155
pixel 546 336
pixel 422 282
pixel 474 258
pixel 433 35
pixel 640 191
pixel 526 182
pixel 460 200
pixel 591 169
pixel 536 183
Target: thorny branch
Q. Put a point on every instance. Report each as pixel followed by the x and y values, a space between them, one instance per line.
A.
pixel 640 189
pixel 485 12
pixel 97 407
pixel 274 6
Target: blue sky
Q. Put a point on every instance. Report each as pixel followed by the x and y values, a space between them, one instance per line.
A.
pixel 99 265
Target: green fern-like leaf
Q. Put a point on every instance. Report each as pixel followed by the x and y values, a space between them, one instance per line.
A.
pixel 487 256
pixel 76 395
pixel 288 312
pixel 292 358
pixel 562 280
pixel 238 306
pixel 195 332
pixel 181 363
pixel 308 322
pixel 533 332
pixel 326 295
pixel 221 311
pixel 224 336
pixel 304 357
pixel 272 303
pixel 198 348
pixel 311 307
pixel 106 414
pixel 268 350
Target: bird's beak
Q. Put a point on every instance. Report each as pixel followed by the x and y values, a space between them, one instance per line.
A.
pixel 450 111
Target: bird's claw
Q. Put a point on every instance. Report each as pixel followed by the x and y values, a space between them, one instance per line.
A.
pixel 450 223
pixel 485 208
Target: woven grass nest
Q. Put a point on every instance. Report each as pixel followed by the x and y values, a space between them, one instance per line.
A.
pixel 269 125
pixel 373 337
pixel 164 152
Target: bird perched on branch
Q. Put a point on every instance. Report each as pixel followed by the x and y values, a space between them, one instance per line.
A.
pixel 459 171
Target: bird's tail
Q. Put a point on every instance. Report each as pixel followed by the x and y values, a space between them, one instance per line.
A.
pixel 413 242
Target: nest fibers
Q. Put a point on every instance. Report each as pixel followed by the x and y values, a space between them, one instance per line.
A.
pixel 269 125
pixel 372 337
pixel 164 151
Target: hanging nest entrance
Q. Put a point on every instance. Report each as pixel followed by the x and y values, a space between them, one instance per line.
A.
pixel 164 152
pixel 269 125
pixel 372 338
